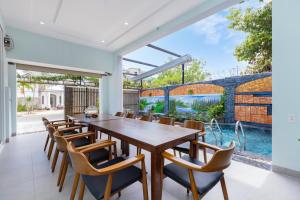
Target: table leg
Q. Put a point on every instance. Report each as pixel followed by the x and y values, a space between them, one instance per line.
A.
pixel 125 148
pixel 156 175
pixel 194 148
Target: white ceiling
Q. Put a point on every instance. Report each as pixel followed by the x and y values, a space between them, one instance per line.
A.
pixel 90 22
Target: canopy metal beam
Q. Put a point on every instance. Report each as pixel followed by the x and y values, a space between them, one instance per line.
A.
pixel 163 50
pixel 139 62
pixel 169 65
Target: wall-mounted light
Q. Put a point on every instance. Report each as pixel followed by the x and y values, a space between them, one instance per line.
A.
pixel 42 23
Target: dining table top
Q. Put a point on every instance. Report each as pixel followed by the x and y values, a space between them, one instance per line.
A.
pixel 84 119
pixel 146 133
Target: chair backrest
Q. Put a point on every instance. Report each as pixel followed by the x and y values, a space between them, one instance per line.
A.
pixel 51 130
pixel 79 161
pixel 61 142
pixel 166 120
pixel 147 118
pixel 130 115
pixel 119 114
pixel 194 125
pixel 220 160
pixel 46 123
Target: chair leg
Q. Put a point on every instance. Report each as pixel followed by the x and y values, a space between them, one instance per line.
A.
pixel 100 135
pixel 46 144
pixel 108 187
pixel 63 175
pixel 81 192
pixel 187 191
pixel 193 185
pixel 144 179
pixel 74 187
pixel 50 149
pixel 62 166
pixel 119 194
pixel 204 151
pixel 174 152
pixel 54 161
pixel 137 150
pixel 180 155
pixel 224 189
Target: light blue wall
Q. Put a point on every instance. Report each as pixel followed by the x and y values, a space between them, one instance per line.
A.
pixel 34 47
pixel 286 81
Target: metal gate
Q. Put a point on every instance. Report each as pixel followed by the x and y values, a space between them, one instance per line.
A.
pixel 77 99
pixel 131 100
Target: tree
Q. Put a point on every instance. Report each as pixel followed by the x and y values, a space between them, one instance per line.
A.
pixel 193 73
pixel 256 49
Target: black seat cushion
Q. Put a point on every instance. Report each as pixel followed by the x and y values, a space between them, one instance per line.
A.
pixel 204 180
pixel 121 179
pixel 98 156
pixel 81 142
pixel 70 132
pixel 185 147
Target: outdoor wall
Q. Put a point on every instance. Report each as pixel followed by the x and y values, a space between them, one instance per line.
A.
pixel 197 89
pixel 247 98
pixel 12 84
pixel 253 101
pixel 152 100
pixel 286 81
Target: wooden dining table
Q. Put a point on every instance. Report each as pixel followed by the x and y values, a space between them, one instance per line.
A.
pixel 150 136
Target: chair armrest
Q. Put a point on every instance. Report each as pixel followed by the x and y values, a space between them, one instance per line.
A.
pixel 96 146
pixel 206 145
pixel 181 162
pixel 78 136
pixel 122 165
pixel 56 121
pixel 69 128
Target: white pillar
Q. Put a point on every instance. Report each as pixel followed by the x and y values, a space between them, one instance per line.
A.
pixel 111 89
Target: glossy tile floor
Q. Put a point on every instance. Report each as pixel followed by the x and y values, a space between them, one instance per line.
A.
pixel 25 174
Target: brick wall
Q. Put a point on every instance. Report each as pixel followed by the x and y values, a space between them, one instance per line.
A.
pixel 197 89
pixel 148 93
pixel 253 101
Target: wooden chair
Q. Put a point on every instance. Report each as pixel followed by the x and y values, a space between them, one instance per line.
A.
pixel 82 141
pixel 99 179
pixel 130 116
pixel 147 118
pixel 185 147
pixel 119 114
pixel 63 131
pixel 196 176
pixel 166 121
pixel 56 124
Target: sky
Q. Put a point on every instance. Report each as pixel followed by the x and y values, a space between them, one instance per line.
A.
pixel 209 40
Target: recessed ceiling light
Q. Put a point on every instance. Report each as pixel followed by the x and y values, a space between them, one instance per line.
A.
pixel 103 41
pixel 126 23
pixel 42 23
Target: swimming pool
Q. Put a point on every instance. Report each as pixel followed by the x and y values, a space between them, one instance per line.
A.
pixel 258 140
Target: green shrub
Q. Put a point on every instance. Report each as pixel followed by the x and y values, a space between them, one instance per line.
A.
pixel 143 104
pixel 21 108
pixel 159 107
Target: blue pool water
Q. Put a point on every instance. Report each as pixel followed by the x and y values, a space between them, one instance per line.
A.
pixel 258 140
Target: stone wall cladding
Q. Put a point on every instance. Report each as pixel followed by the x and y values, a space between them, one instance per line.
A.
pixel 197 89
pixel 253 100
pixel 155 92
pixel 259 85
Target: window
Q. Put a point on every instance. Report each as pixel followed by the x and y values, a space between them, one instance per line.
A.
pixel 60 100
